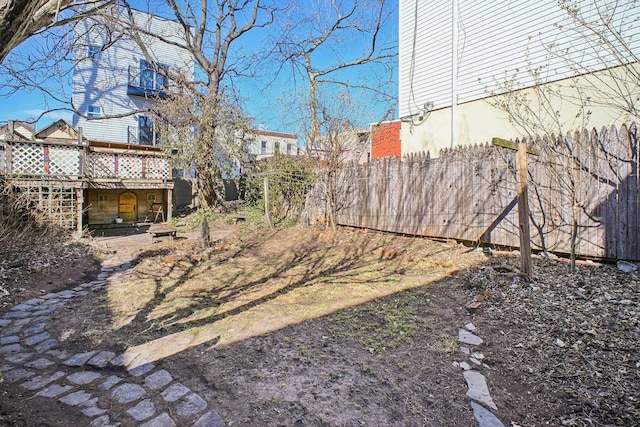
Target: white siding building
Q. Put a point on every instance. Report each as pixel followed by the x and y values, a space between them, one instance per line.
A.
pixel 112 79
pixel 456 56
pixel 260 144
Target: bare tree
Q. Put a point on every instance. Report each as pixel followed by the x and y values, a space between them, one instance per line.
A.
pixel 322 47
pixel 205 122
pixel 606 71
pixel 20 19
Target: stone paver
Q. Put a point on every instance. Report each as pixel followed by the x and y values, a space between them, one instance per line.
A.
pixel 41 363
pixel 22 307
pixel 46 345
pixel 33 329
pixel 191 405
pixel 16 375
pixel 110 382
pixel 82 378
pixel 476 382
pixel 478 389
pixel 18 358
pixel 42 380
pixel 67 294
pixel 79 359
pixel 17 315
pixel 93 411
pixel 76 398
pixel 11 339
pixel 58 354
pixel 101 359
pixel 142 369
pixel 36 339
pixel 54 390
pixel 484 416
pixel 143 410
pixel 35 361
pixel 467 337
pixel 162 420
pixel 22 322
pixel 174 392
pixel 117 361
pixel 158 380
pixel 210 419
pixel 11 349
pixel 103 421
pixel 470 327
pixel 11 330
pixel 128 392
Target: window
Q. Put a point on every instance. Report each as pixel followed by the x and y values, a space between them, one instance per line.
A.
pixel 102 203
pixel 263 147
pixel 94 52
pixel 151 78
pixel 151 198
pixel 94 111
pixel 162 81
pixel 288 148
pixel 145 131
pixel 146 75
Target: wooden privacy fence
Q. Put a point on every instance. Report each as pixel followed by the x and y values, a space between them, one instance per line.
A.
pixel 584 183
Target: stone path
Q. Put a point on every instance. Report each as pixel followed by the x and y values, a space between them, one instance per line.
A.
pixel 476 382
pixel 101 384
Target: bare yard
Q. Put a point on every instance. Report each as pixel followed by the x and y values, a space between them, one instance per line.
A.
pixel 301 327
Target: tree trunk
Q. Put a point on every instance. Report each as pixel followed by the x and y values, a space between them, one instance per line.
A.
pixel 574 236
pixel 208 194
pixel 19 19
pixel 331 200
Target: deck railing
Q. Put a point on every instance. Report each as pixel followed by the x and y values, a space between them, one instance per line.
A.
pixel 35 159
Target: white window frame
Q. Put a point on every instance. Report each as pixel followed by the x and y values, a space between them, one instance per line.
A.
pixel 94 52
pixel 94 111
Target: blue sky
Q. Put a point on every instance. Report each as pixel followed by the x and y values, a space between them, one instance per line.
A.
pixel 269 99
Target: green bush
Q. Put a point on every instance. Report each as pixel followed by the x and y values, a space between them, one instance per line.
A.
pixel 289 180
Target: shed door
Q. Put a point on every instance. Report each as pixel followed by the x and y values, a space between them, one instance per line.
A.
pixel 128 207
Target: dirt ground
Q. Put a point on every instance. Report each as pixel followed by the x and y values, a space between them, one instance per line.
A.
pixel 301 327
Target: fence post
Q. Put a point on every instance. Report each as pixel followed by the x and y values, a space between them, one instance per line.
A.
pixel 523 211
pixel 267 209
pixel 79 210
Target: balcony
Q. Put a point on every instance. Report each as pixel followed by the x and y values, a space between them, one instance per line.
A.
pixel 148 83
pixel 60 161
pixel 142 136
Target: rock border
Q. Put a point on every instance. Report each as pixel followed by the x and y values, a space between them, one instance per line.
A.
pixel 149 395
pixel 478 390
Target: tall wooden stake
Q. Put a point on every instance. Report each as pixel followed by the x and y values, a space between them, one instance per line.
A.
pixel 267 210
pixel 523 211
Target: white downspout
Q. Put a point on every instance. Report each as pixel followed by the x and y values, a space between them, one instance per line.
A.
pixel 454 73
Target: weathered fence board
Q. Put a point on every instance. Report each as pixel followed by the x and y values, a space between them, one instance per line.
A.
pixel 470 194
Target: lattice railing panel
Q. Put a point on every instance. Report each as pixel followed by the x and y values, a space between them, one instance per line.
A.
pixel 158 168
pixel 64 161
pixel 27 159
pixel 101 165
pixel 130 166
